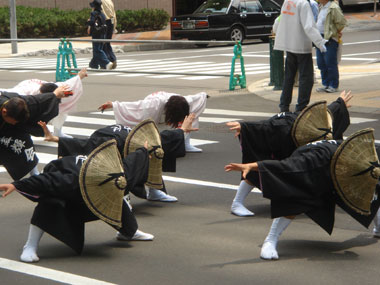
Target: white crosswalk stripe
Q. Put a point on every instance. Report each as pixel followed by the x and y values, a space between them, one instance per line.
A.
pixel 143 67
pixel 85 125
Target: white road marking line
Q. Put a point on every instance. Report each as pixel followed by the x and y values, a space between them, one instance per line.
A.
pixel 237 113
pixel 199 77
pixel 362 53
pixel 205 183
pixel 134 75
pixel 198 142
pixel 357 58
pixel 357 120
pixel 359 43
pixel 47 273
pixel 164 76
pixel 217 120
pixel 149 64
pixel 106 73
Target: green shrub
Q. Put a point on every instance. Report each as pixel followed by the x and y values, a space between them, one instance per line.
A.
pixel 56 23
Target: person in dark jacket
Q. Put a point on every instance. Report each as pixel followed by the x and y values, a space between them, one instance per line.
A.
pixel 97 29
pixel 18 121
pixel 272 139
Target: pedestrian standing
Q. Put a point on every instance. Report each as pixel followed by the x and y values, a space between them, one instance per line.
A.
pixel 97 29
pixel 109 11
pixel 330 24
pixel 295 33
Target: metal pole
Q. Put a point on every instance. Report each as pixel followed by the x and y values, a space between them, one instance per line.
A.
pixel 13 22
pixel 374 8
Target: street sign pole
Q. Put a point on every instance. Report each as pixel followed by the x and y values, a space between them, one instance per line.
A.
pixel 13 22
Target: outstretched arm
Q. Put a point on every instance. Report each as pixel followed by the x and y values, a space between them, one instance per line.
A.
pixel 234 126
pixel 187 125
pixel 346 96
pixel 63 91
pixel 48 135
pixel 105 106
pixel 7 189
pixel 245 168
pixel 83 73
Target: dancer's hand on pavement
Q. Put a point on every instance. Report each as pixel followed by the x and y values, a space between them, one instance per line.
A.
pixel 346 96
pixel 105 106
pixel 83 73
pixel 234 126
pixel 245 168
pixel 187 124
pixel 7 189
pixel 48 135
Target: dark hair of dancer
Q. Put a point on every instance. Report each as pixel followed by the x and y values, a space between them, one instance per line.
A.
pixel 176 109
pixel 48 87
pixel 17 109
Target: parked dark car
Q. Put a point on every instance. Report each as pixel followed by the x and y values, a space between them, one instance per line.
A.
pixel 233 20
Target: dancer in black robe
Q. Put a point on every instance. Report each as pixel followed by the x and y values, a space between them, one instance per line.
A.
pixel 272 139
pixel 303 183
pixel 61 210
pixel 173 144
pixel 18 121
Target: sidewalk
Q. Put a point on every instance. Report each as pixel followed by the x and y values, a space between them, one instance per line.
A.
pixel 361 79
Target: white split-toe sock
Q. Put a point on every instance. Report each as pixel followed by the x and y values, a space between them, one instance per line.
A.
pixel 29 253
pixel 376 225
pixel 237 207
pixel 138 236
pixel 58 133
pixel 269 248
pixel 189 147
pixel 158 195
pixel 34 171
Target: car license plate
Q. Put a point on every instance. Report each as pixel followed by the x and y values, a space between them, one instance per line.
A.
pixel 188 25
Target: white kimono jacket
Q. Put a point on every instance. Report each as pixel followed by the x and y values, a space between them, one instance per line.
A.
pixel 152 106
pixel 32 87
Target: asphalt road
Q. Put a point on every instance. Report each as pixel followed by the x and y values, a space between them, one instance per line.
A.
pixel 197 240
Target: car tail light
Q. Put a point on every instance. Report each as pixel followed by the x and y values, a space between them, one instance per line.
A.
pixel 201 24
pixel 176 25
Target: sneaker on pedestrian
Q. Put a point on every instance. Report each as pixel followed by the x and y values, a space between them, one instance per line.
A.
pixel 114 64
pixel 109 65
pixel 322 89
pixel 93 66
pixel 331 90
pixel 139 235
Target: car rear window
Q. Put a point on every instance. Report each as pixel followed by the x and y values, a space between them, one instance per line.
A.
pixel 213 7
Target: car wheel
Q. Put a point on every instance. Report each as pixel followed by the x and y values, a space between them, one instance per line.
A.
pixel 236 34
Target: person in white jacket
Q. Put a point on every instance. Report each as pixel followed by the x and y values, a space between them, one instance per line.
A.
pixel 67 105
pixel 171 106
pixel 295 32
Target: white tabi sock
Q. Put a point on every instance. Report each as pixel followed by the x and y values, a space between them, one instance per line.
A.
pixel 189 147
pixel 269 251
pixel 29 253
pixel 237 207
pixel 376 224
pixel 34 171
pixel 58 132
pixel 158 195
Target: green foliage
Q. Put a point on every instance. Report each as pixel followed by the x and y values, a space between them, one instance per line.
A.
pixel 56 23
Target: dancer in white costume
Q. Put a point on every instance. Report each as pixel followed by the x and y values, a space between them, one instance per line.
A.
pixel 36 86
pixel 157 105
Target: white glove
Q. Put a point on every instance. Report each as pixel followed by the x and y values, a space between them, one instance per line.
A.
pixel 323 48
